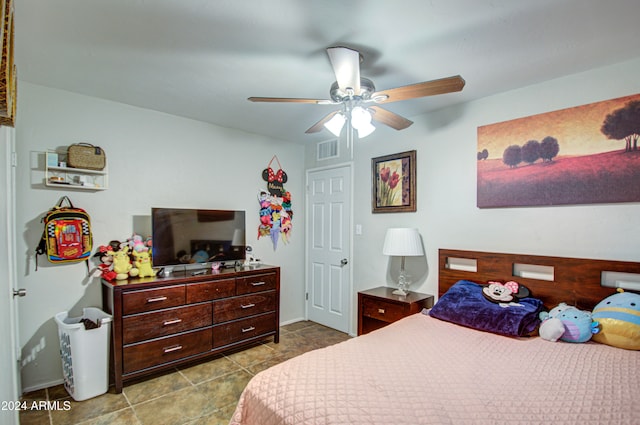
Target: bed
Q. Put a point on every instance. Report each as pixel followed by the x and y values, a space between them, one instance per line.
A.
pixel 424 370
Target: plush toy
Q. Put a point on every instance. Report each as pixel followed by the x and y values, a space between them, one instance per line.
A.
pixel 552 327
pixel 122 264
pixel 619 317
pixel 105 256
pixel 142 261
pixel 578 325
pixel 567 323
pixel 505 294
pixel 137 244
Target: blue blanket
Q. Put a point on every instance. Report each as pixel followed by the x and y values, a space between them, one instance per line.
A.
pixel 465 305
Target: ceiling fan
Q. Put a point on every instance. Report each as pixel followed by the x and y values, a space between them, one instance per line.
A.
pixel 358 97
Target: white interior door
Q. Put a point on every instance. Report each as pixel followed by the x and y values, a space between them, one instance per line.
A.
pixel 9 383
pixel 329 247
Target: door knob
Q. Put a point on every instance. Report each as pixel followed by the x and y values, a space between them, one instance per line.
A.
pixel 344 262
pixel 19 292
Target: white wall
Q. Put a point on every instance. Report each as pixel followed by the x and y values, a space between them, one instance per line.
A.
pixel 146 149
pixel 447 216
pixel 155 159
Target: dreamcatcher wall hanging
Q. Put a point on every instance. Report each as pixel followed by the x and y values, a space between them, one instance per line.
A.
pixel 275 206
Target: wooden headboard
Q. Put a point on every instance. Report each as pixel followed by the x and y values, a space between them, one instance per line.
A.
pixel 575 281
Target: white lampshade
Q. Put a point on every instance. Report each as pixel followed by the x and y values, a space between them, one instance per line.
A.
pixel 238 238
pixel 335 124
pixel 402 242
pixel 365 130
pixel 361 121
pixel 360 117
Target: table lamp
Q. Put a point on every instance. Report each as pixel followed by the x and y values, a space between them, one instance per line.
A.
pixel 402 242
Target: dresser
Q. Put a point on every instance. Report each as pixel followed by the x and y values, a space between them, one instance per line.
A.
pixel 378 307
pixel 162 322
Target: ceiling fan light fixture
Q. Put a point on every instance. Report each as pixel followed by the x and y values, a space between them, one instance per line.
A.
pixel 335 124
pixel 351 91
pixel 361 121
pixel 365 130
pixel 360 117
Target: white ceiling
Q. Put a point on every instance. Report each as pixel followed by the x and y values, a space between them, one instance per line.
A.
pixel 202 58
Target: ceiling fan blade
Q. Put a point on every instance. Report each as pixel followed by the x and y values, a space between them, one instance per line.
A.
pixel 427 88
pixel 288 99
pixel 346 66
pixel 320 124
pixel 389 118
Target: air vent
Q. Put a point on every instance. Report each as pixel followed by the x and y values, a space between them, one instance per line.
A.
pixel 328 149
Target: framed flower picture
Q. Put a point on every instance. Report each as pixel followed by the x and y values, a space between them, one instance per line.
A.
pixel 393 186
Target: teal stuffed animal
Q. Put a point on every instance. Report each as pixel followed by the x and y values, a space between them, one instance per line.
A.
pixel 567 323
pixel 578 325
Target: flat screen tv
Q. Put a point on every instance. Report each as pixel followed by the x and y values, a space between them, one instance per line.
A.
pixel 183 236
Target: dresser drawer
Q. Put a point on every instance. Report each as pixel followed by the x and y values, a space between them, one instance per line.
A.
pixel 152 299
pixel 239 330
pixel 382 310
pixel 256 283
pixel 244 306
pixel 205 291
pixel 152 353
pixel 165 322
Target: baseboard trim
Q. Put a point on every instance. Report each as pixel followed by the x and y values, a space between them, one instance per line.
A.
pixel 288 322
pixel 42 386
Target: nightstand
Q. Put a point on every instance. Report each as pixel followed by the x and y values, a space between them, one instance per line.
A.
pixel 378 307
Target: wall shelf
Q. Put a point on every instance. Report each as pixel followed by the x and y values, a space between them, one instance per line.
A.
pixel 72 178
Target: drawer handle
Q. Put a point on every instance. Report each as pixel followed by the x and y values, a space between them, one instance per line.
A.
pixel 156 299
pixel 249 329
pixel 381 310
pixel 171 349
pixel 172 322
pixel 247 305
pixel 258 283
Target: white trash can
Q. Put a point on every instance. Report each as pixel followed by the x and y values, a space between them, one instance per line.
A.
pixel 85 352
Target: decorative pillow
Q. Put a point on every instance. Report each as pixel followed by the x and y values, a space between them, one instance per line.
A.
pixel 464 304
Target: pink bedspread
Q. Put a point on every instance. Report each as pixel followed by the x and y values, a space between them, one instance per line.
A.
pixel 424 371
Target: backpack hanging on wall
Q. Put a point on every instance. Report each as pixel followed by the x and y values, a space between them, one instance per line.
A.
pixel 66 237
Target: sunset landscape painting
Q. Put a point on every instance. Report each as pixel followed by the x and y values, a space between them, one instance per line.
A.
pixel 587 154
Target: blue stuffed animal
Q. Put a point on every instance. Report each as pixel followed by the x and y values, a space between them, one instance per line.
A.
pixel 567 323
pixel 578 325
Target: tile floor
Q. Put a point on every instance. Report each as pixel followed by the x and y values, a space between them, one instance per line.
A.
pixel 204 393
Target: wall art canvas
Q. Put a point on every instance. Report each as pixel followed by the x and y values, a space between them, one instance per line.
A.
pixel 393 186
pixel 587 154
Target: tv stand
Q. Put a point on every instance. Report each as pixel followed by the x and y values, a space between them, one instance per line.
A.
pixel 163 322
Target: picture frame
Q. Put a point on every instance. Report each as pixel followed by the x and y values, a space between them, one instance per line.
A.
pixel 586 154
pixel 393 183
